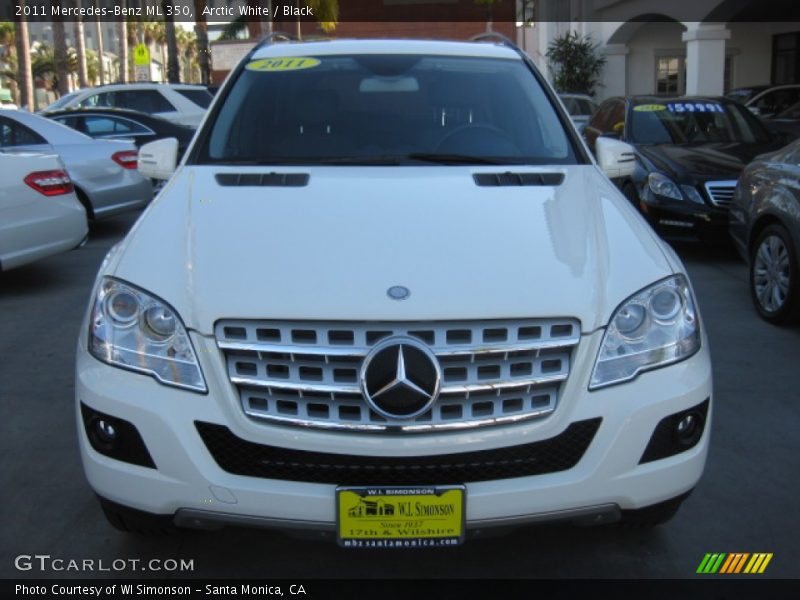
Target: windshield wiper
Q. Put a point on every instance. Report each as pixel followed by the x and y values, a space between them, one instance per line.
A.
pixel 306 161
pixel 357 160
pixel 454 159
pixel 391 160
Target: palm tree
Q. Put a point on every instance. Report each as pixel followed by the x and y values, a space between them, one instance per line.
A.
pixel 92 67
pixel 203 52
pixel 101 71
pixel 188 55
pixel 60 53
pixel 122 32
pixel 24 75
pixel 155 33
pixel 80 49
pixel 8 41
pixel 173 69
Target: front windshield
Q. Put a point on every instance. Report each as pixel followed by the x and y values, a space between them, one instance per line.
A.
pixel 683 121
pixel 386 109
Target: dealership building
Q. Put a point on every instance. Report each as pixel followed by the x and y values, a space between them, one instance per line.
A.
pixel 650 46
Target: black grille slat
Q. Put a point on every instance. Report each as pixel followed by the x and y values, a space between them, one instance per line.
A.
pixel 242 457
pixel 262 179
pixel 517 179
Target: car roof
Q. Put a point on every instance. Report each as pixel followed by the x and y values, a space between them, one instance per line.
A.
pixel 53 131
pixel 108 110
pixel 393 46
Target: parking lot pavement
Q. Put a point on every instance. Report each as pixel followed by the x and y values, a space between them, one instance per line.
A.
pixel 746 501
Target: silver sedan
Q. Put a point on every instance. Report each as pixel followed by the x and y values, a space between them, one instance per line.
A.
pixel 39 213
pixel 103 171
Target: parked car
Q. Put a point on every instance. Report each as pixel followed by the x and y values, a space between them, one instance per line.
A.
pixel 40 215
pixel 118 123
pixel 773 100
pixel 689 154
pixel 103 171
pixel 786 123
pixel 342 309
pixel 580 108
pixel 765 227
pixel 743 94
pixel 180 103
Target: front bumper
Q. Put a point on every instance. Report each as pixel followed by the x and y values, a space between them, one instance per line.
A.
pixel 188 482
pixel 684 219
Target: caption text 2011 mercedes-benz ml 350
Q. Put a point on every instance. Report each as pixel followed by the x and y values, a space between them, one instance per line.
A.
pixel 389 297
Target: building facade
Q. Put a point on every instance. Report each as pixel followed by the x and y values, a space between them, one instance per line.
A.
pixel 656 47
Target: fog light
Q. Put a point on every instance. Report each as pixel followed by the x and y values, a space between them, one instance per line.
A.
pixel 115 438
pixel 677 433
pixel 688 429
pixel 105 431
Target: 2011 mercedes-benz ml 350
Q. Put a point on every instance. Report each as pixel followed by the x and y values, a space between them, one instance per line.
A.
pixel 388 297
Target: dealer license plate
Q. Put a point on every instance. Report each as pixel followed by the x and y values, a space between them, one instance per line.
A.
pixel 400 517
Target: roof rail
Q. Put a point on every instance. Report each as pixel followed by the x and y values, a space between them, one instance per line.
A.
pixel 493 35
pixel 271 38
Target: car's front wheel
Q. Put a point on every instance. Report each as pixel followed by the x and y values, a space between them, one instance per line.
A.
pixel 774 276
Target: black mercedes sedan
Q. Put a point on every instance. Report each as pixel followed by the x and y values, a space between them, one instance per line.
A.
pixel 765 227
pixel 689 154
pixel 120 123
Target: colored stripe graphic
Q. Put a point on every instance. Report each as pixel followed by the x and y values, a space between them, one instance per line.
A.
pixel 711 563
pixel 734 563
pixel 758 563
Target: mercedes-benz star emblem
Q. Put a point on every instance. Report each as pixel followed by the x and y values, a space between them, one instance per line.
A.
pixel 398 292
pixel 400 378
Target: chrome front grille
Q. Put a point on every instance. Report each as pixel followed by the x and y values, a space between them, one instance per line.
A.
pixel 307 372
pixel 720 192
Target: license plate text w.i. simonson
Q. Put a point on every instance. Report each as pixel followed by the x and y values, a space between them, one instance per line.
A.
pixel 400 517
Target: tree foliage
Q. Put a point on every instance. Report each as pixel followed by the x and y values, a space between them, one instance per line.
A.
pixel 575 64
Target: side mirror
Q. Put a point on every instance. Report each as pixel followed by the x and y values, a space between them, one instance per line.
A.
pixel 157 159
pixel 616 159
pixel 755 110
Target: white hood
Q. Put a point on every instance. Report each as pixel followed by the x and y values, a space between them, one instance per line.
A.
pixel 331 249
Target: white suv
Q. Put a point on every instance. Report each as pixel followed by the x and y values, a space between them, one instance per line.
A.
pixel 389 297
pixel 180 103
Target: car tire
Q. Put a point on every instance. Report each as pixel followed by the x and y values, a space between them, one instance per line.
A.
pixel 774 276
pixel 651 516
pixel 130 520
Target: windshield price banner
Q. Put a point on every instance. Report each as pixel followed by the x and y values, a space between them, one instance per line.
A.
pixel 680 107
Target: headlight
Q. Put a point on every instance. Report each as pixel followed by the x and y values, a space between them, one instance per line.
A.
pixel 656 327
pixel 134 330
pixel 663 186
